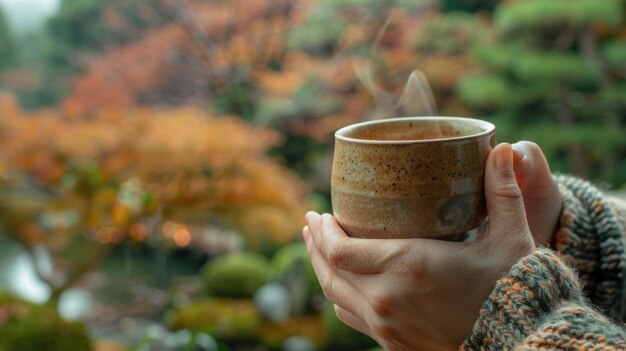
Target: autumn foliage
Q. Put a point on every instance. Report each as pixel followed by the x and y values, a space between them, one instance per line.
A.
pixel 121 173
pixel 305 84
pixel 170 117
pixel 186 162
pixel 165 128
pixel 203 47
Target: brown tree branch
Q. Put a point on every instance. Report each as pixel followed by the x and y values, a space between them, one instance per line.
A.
pixel 201 42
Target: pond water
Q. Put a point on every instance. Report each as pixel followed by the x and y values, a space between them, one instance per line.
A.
pixel 16 272
pixel 18 277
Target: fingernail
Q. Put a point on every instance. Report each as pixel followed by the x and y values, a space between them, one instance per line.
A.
pixel 324 218
pixel 305 232
pixel 524 159
pixel 504 158
pixel 309 216
pixel 518 152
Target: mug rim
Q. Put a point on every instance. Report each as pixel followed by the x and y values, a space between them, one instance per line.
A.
pixel 487 126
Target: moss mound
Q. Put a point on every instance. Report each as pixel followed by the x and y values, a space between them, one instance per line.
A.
pixel 225 319
pixel 273 334
pixel 26 326
pixel 235 275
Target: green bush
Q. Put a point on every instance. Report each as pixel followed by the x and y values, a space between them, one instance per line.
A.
pixel 236 275
pixel 540 15
pixel 29 327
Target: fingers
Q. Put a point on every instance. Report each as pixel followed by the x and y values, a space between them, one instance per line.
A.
pixel 314 222
pixel 336 289
pixel 359 261
pixel 353 321
pixel 532 169
pixel 504 197
pixel 361 256
pixel 542 199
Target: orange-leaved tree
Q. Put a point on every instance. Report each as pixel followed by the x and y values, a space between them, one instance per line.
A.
pixel 74 184
pixel 201 49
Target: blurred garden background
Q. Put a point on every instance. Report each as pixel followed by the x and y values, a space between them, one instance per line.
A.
pixel 157 156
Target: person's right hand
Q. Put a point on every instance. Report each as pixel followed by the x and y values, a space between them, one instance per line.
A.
pixel 542 199
pixel 422 294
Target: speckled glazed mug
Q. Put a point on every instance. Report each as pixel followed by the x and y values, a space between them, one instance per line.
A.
pixel 411 177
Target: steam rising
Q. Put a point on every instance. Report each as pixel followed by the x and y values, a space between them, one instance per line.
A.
pixel 382 99
pixel 417 98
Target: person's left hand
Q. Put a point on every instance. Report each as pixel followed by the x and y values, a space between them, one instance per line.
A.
pixel 421 294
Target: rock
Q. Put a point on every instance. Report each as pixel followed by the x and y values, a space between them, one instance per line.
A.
pixel 286 256
pixel 298 343
pixel 273 301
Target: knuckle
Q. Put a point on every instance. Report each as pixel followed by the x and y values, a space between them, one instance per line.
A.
pixel 415 269
pixel 507 191
pixel 338 255
pixel 341 315
pixel 382 305
pixel 384 330
pixel 419 268
pixel 328 289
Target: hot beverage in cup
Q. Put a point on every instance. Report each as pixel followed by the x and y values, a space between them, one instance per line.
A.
pixel 411 177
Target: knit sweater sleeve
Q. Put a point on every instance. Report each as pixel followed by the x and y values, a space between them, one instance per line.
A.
pixel 591 239
pixel 539 305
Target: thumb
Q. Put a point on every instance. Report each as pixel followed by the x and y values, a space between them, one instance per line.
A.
pixel 505 204
pixel 542 198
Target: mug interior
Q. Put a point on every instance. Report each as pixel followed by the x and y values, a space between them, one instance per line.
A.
pixel 414 129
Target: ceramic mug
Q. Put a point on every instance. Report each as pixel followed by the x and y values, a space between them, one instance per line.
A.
pixel 411 177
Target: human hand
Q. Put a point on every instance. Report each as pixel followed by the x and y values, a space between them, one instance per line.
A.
pixel 542 199
pixel 421 294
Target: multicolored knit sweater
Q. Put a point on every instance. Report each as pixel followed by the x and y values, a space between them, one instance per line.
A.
pixel 544 304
